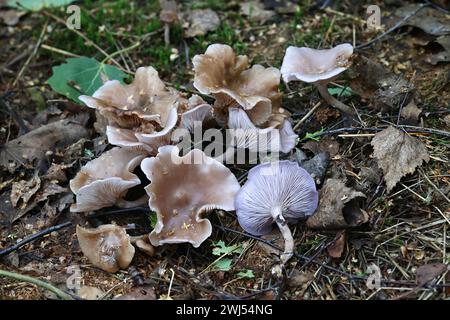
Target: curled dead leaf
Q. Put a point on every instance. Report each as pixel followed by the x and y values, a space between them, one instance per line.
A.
pixel 339 207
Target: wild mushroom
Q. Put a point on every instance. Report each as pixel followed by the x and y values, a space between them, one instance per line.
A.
pixel 104 181
pixel 182 190
pixel 107 247
pixel 247 99
pixel 168 15
pixel 280 192
pixel 198 112
pixel 247 135
pixel 220 72
pixel 318 67
pixel 140 115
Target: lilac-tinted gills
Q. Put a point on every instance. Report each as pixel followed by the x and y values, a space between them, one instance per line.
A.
pixel 281 185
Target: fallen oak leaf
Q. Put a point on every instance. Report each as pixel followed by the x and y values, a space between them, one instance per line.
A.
pixel 397 154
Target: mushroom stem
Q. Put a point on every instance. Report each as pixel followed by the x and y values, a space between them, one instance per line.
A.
pixel 166 34
pixel 286 232
pixel 322 87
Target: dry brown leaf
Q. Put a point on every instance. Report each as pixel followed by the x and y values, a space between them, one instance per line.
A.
pixel 397 154
pixel 11 17
pixel 411 112
pixel 90 293
pixel 327 144
pixel 336 249
pixel 339 207
pixel 24 190
pixel 200 22
pixel 255 11
pixel 34 144
pixel 428 272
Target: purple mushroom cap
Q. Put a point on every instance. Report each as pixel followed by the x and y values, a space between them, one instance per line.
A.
pixel 273 187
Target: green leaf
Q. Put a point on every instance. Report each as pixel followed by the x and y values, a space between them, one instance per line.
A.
pixel 82 75
pixel 247 274
pixel 222 265
pixel 312 136
pixel 222 249
pixel 36 5
pixel 340 92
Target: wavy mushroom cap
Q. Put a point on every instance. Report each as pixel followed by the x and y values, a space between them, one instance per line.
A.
pixel 139 112
pixel 103 182
pixel 182 189
pixel 107 247
pixel 284 185
pixel 247 135
pixel 311 65
pixel 220 71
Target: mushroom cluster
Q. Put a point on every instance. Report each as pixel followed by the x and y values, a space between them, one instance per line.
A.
pixel 141 121
pixel 247 100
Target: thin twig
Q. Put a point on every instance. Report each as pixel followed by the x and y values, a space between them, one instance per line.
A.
pixel 34 237
pixel 395 27
pixel 31 56
pixel 309 114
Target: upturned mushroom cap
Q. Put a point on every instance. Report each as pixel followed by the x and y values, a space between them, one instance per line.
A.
pixel 140 114
pixel 249 136
pixel 104 181
pixel 283 186
pixel 198 112
pixel 107 247
pixel 182 189
pixel 311 65
pixel 220 71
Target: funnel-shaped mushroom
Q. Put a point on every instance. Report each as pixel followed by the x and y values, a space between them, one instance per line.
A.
pixel 318 67
pixel 182 190
pixel 220 72
pixel 140 115
pixel 107 247
pixel 247 99
pixel 276 193
pixel 104 181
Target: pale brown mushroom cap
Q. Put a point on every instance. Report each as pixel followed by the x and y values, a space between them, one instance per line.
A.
pixel 144 107
pixel 182 189
pixel 107 247
pixel 103 182
pixel 220 71
pixel 312 65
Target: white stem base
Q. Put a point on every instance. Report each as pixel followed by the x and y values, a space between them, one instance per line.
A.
pixel 287 234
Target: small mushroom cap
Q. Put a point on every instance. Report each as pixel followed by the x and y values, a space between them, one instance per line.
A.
pixel 107 247
pixel 169 11
pixel 104 181
pixel 249 136
pixel 282 184
pixel 140 114
pixel 182 189
pixel 219 70
pixel 311 65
